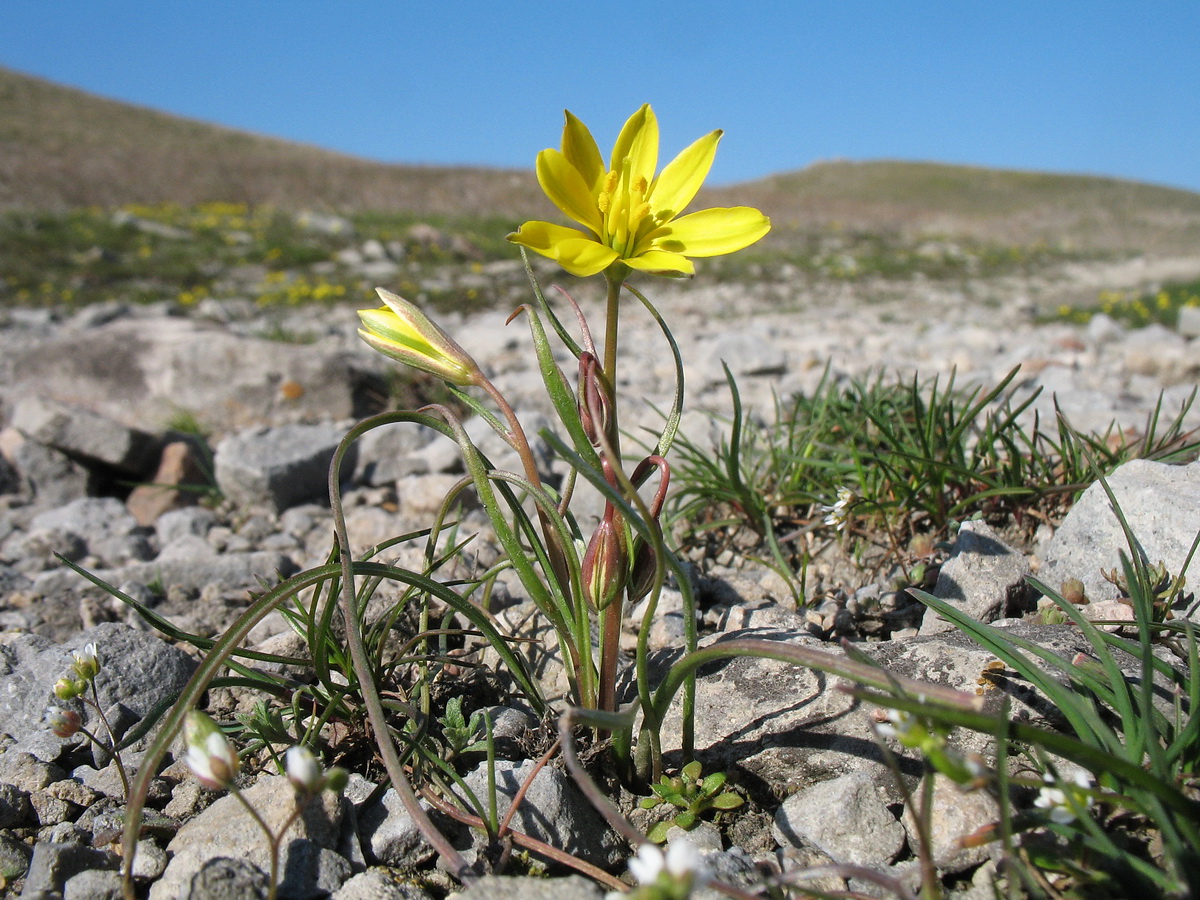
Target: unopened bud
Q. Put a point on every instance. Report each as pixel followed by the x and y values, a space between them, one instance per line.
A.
pixel 63 722
pixel 210 756
pixel 400 330
pixel 67 688
pixel 641 576
pixel 605 563
pixel 303 770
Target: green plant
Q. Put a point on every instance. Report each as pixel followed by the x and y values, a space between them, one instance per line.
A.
pixel 65 721
pixel 906 460
pixel 1128 820
pixel 1138 309
pixel 460 733
pixel 693 794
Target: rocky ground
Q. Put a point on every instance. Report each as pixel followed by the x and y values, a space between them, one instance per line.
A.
pixel 99 461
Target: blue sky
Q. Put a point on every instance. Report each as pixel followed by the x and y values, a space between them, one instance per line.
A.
pixel 1089 86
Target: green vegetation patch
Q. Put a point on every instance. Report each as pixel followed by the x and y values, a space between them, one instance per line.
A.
pixel 137 253
pixel 1138 309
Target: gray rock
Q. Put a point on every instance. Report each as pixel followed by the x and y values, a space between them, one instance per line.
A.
pixel 311 871
pixel 553 810
pixel 845 818
pixel 503 887
pixel 1189 321
pixel 379 884
pixel 390 834
pixel 192 520
pixel 1160 502
pixel 26 772
pixel 14 857
pixel 278 467
pixel 93 884
pixel 140 371
pixel 789 729
pixel 231 571
pixel 14 805
pixel 222 878
pixel 225 829
pixel 53 864
pixel 985 578
pixel 109 532
pixel 137 672
pixel 85 435
pixel 953 814
pixel 52 477
pixel 750 350
pixel 384 453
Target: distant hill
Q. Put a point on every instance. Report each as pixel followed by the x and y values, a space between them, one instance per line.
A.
pixel 1081 211
pixel 61 147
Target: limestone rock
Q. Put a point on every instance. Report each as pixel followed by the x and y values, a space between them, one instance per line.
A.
pixel 985 578
pixel 1160 502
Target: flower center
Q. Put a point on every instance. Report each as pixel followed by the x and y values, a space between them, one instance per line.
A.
pixel 623 205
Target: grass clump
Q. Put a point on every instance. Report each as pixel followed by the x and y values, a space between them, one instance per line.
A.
pixel 895 463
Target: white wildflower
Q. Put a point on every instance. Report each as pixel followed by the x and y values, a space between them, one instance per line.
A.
pixel 303 770
pixel 1061 803
pixel 838 513
pixel 681 865
pixel 210 756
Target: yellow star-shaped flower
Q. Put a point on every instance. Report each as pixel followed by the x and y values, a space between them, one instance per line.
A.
pixel 632 217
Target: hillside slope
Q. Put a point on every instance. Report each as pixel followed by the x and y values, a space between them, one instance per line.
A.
pixel 61 148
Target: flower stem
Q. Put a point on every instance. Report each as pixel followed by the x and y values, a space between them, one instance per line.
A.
pixel 111 746
pixel 611 628
pixel 611 321
pixel 272 840
pixel 520 443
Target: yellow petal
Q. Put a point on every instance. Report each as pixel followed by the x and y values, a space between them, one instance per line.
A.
pixel 681 179
pixel 661 262
pixel 575 251
pixel 385 324
pixel 579 147
pixel 638 141
pixel 710 232
pixel 566 188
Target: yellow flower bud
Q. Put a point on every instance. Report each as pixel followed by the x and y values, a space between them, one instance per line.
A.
pixel 400 330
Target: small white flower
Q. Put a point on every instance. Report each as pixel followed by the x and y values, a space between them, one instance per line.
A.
pixel 1056 801
pixel 838 513
pixel 87 662
pixel 684 860
pixel 682 864
pixel 210 756
pixel 899 724
pixel 303 770
pixel 648 862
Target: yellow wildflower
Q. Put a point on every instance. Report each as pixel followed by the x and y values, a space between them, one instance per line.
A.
pixel 632 216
